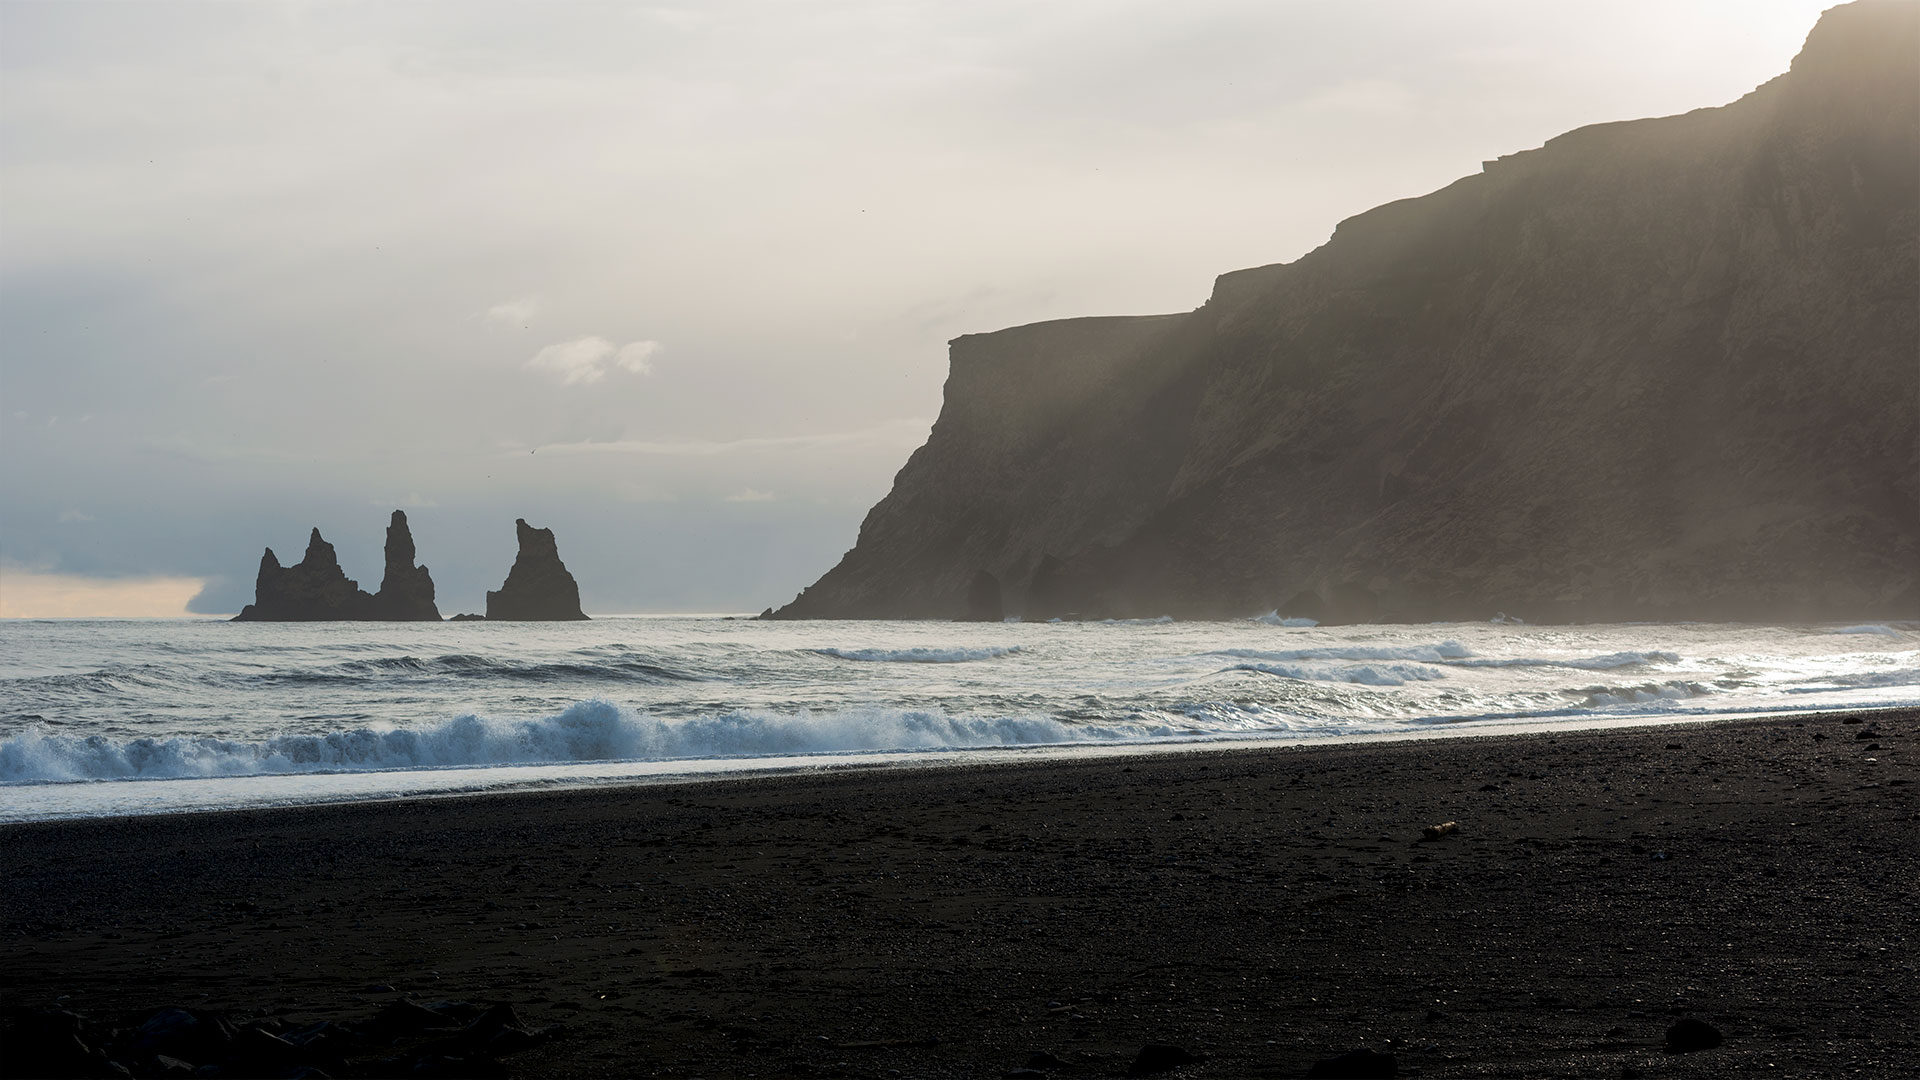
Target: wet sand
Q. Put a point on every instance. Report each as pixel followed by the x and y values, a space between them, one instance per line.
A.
pixel 1263 909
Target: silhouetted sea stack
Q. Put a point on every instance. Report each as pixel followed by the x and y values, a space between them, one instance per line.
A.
pixel 313 590
pixel 538 588
pixel 316 590
pixel 1661 369
pixel 406 592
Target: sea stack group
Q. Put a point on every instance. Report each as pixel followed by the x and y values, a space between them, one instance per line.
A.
pixel 538 587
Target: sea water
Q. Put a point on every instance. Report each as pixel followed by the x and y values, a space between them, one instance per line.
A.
pixel 137 716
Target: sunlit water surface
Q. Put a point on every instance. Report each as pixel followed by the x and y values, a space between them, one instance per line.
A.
pixel 132 717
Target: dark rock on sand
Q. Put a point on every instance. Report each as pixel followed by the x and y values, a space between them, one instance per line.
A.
pixel 1656 369
pixel 406 592
pixel 1155 1058
pixel 1356 1065
pixel 538 588
pixel 189 1034
pixel 314 589
pixel 1690 1035
pixel 467 617
pixel 53 1043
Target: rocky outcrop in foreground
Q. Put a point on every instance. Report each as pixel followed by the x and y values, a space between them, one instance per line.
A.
pixel 1660 369
pixel 316 590
pixel 538 587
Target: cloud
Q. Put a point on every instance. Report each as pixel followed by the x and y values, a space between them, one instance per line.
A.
pixel 516 312
pixel 28 594
pixel 413 501
pixel 587 359
pixel 637 356
pixel 906 433
pixel 750 495
pixel 74 515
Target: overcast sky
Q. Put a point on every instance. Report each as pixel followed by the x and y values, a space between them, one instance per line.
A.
pixel 673 280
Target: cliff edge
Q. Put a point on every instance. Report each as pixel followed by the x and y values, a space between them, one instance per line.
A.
pixel 1657 369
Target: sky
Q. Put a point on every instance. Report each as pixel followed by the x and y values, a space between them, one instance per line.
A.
pixel 675 281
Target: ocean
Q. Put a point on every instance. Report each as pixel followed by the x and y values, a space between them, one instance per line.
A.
pixel 109 717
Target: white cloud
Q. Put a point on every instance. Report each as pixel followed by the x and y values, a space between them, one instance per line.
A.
pixel 516 312
pixel 637 356
pixel 74 515
pixel 750 495
pixel 587 359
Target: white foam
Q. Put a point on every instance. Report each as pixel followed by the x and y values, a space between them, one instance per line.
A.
pixel 920 655
pixel 1274 618
pixel 1601 696
pixel 1866 628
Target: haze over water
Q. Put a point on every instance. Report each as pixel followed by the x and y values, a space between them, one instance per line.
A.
pixel 114 717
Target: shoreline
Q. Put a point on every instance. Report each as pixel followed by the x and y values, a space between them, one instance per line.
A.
pixel 1265 908
pixel 653 773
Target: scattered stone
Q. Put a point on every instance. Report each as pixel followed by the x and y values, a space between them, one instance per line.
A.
pixel 1356 1065
pixel 1853 719
pixel 1435 832
pixel 1690 1035
pixel 1156 1058
pixel 1865 733
pixel 405 1017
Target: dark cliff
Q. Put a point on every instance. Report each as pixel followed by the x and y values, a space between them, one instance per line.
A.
pixel 316 590
pixel 538 587
pixel 1656 369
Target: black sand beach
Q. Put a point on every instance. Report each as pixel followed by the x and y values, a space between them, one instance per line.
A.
pixel 1262 910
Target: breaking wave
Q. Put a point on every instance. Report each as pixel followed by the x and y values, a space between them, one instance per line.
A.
pixel 1363 674
pixel 1426 654
pixel 589 731
pixel 1274 618
pixel 919 655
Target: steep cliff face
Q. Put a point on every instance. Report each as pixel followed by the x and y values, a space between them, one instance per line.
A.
pixel 1664 368
pixel 538 587
pixel 314 589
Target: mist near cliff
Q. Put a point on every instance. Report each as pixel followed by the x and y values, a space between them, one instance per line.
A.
pixel 676 282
